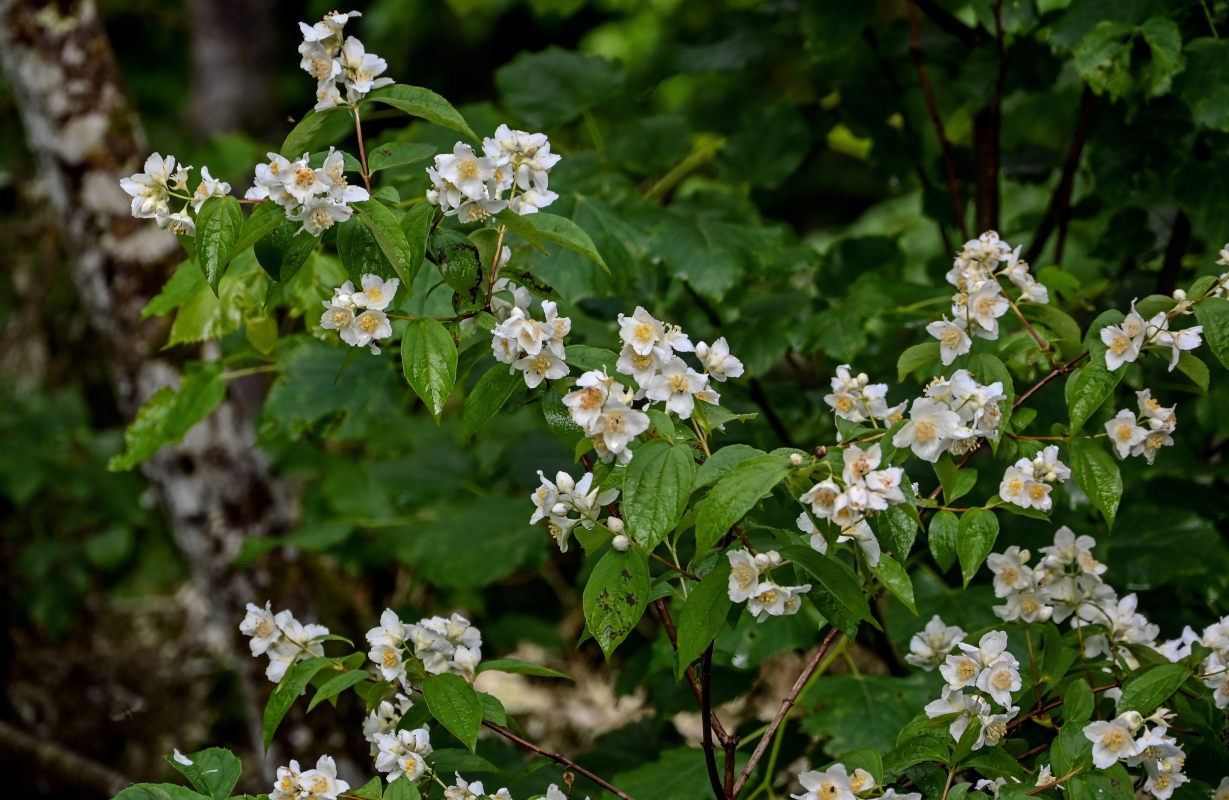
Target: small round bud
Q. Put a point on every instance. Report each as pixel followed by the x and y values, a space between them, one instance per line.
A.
pixel 621 543
pixel 1179 294
pixel 702 351
pixel 564 482
pixel 615 524
pixel 558 510
pixel 1133 719
pixel 795 459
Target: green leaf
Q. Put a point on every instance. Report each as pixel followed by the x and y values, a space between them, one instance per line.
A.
pixel 302 136
pixel 944 529
pixel 736 494
pixel 184 283
pixel 655 491
pixel 159 791
pixel 1193 368
pixel 1103 58
pixel 398 154
pixel 1204 85
pixel 416 224
pixel 1164 41
pixel 1213 315
pixel 360 252
pixel 391 239
pixel 615 596
pixel 544 227
pixel 402 789
pixel 217 229
pixel 1060 323
pixel 585 358
pixel 916 356
pixel 456 706
pixel 337 685
pixel 284 696
pixel 839 594
pixel 722 461
pixel 261 333
pixel 520 667
pixel 947 472
pixel 554 86
pixel 371 790
pixel 704 613
pixel 994 762
pixel 897 529
pixel 213 772
pixel 896 579
pixel 282 252
pixel 264 219
pixel 678 774
pixel 1070 751
pixel 974 540
pixel 429 361
pixel 488 396
pixel 1149 688
pixel 1078 702
pixel 168 415
pixel 424 104
pixel 1096 473
pixel 1090 386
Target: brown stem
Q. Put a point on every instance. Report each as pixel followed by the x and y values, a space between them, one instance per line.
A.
pixel 786 704
pixel 663 614
pixel 706 712
pixel 362 150
pixel 986 125
pixel 1060 202
pixel 949 165
pixel 674 567
pixel 1045 347
pixel 558 759
pixel 969 37
pixel 1054 373
pixel 499 245
pixel 1055 704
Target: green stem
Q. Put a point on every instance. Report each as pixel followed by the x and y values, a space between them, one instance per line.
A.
pixel 1207 12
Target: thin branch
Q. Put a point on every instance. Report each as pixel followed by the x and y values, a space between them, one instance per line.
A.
pixel 663 614
pixel 1054 373
pixel 558 759
pixel 969 37
pixel 1060 202
pixel 786 704
pixel 362 150
pixel 986 125
pixel 706 712
pixel 1179 238
pixel 949 165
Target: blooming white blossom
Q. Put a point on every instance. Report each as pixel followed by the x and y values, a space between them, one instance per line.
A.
pixel 856 399
pixel 319 783
pixel 282 638
pixel 764 598
pixel 1111 741
pixel 336 64
pixel 535 347
pixel 401 753
pixel 472 187
pixel 385 717
pixel 953 338
pixel 717 361
pixel 930 646
pixel 345 313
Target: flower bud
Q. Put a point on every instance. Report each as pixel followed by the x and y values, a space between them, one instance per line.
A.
pixel 702 351
pixel 615 525
pixel 621 543
pixel 564 482
pixel 559 510
pixel 1179 294
pixel 1133 719
pixel 795 459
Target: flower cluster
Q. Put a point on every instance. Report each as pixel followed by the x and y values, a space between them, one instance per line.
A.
pixel 856 399
pixel 979 300
pixel 316 197
pixel 472 186
pixel 1125 738
pixel 535 348
pixel 338 64
pixel 952 417
pixel 361 329
pixel 1215 667
pixel 281 637
pixel 556 502
pixel 441 644
pixel 473 790
pixel 401 753
pixel 385 717
pixel 837 783
pixel 763 597
pixel 1027 483
pixel 602 407
pixel 989 673
pixel 153 190
pixel 863 490
pixel 1125 341
pixel 649 356
pixel 320 783
pixel 1128 434
pixel 930 646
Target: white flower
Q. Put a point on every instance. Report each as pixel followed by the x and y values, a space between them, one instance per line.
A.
pixel 1047 467
pixel 822 498
pixel 640 331
pixel 960 670
pixel 208 188
pixel 929 646
pixel 618 424
pixel 1111 741
pixel 401 753
pixel 717 361
pixel 150 189
pixel 366 327
pixel 1123 341
pixel 984 307
pixel 336 317
pixel 286 786
pixel 385 718
pixel 377 293
pixel 953 338
pixel 744 575
pixel 930 429
pixel 546 365
pixel 834 783
pixel 1124 433
pixel 260 625
pixel 1000 678
pixel 1177 341
pixel 676 385
pixel 361 69
pixel 322 783
pixel 955 701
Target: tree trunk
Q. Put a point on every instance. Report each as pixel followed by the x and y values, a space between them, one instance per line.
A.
pixel 85 137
